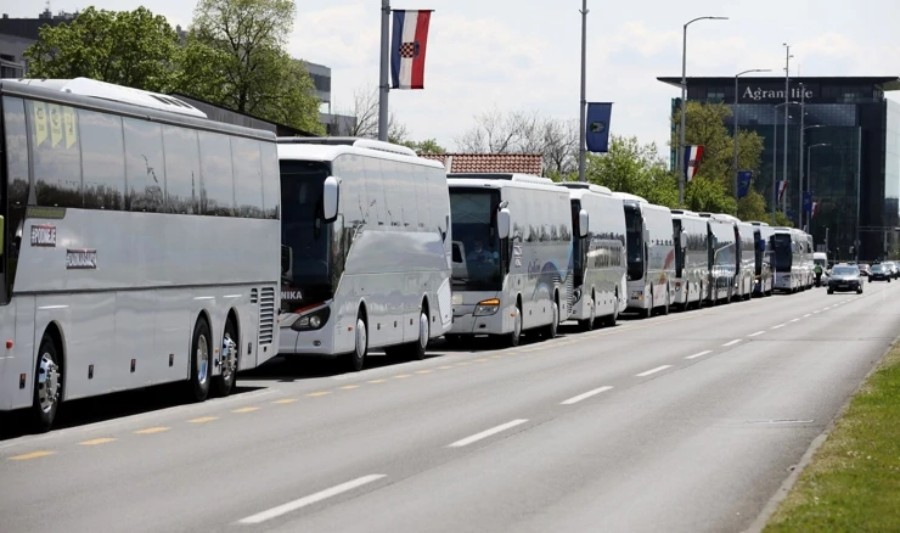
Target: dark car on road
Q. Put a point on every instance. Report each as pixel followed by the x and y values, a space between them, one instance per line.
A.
pixel 880 272
pixel 845 278
pixel 864 269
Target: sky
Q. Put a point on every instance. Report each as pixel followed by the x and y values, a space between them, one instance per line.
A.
pixel 525 55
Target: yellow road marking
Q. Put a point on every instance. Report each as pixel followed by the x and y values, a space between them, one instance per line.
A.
pixel 349 387
pixel 377 381
pixel 243 410
pixel 95 442
pixel 402 376
pixel 423 371
pixel 203 419
pixel 151 431
pixel 31 455
pixel 317 394
pixel 285 401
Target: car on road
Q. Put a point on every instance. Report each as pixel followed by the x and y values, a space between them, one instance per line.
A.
pixel 892 268
pixel 881 272
pixel 845 278
pixel 864 269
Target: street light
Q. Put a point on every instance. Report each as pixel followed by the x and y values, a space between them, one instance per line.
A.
pixel 775 154
pixel 735 117
pixel 680 155
pixel 787 94
pixel 809 177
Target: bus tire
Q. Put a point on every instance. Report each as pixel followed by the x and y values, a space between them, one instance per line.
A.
pixel 648 312
pixel 416 350
pixel 224 382
pixel 201 362
pixel 588 323
pixel 665 310
pixel 610 320
pixel 551 329
pixel 357 358
pixel 514 338
pixel 48 383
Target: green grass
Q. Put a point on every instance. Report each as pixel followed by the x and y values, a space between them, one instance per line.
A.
pixel 853 480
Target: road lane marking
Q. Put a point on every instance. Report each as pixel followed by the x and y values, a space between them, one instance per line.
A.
pixel 349 387
pixel 652 371
pixel 151 431
pixel 31 455
pixel 795 320
pixel 758 333
pixel 777 326
pixel 402 376
pixel 816 312
pixel 487 433
pixel 807 315
pixel 585 396
pixel 97 441
pixel 318 394
pixel 699 354
pixel 482 360
pixel 285 401
pixel 445 367
pixel 300 503
pixel 243 410
pixel 731 343
pixel 203 419
pixel 424 371
pixel 377 381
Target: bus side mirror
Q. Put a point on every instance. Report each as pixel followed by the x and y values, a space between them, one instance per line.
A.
pixel 584 223
pixel 330 196
pixel 503 223
pixel 287 259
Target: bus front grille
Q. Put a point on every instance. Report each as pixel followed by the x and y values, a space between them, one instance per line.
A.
pixel 266 315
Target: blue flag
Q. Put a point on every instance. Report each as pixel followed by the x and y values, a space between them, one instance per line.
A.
pixel 807 202
pixel 597 134
pixel 744 179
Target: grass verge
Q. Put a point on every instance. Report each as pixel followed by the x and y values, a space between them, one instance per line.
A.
pixel 853 480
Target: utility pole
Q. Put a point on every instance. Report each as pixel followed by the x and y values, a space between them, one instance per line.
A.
pixel 787 100
pixel 384 84
pixel 582 149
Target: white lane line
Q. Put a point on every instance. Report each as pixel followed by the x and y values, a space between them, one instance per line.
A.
pixel 652 371
pixel 756 334
pixel 487 433
pixel 309 500
pixel 731 343
pixel 807 315
pixel 779 326
pixel 795 320
pixel 699 354
pixel 585 396
pixel 816 312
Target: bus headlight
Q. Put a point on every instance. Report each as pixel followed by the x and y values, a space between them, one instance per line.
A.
pixel 312 320
pixel 487 307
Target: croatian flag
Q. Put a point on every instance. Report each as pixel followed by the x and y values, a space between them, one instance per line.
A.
pixel 408 49
pixel 692 156
pixel 782 188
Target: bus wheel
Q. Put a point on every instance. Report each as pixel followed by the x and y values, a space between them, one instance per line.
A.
pixel 588 323
pixel 551 329
pixel 361 346
pixel 665 310
pixel 224 382
pixel 200 361
pixel 48 381
pixel 610 320
pixel 649 311
pixel 516 336
pixel 417 349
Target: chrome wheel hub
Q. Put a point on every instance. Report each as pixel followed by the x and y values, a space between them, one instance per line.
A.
pixel 48 383
pixel 202 359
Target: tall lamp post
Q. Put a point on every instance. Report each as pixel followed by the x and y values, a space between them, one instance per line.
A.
pixel 787 99
pixel 809 177
pixel 582 149
pixel 679 156
pixel 775 155
pixel 735 121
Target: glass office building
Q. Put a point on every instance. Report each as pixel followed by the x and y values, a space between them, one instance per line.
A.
pixel 850 153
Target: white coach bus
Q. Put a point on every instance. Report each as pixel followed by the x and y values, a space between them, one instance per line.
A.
pixel 366 249
pixel 140 245
pixel 745 256
pixel 764 281
pixel 722 259
pixel 789 261
pixel 512 255
pixel 598 250
pixel 650 254
pixel 691 257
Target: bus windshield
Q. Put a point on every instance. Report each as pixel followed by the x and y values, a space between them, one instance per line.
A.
pixel 476 248
pixel 304 232
pixel 784 251
pixel 634 224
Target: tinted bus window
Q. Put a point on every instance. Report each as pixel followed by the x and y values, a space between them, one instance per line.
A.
pixel 271 180
pixel 57 154
pixel 102 159
pixel 16 152
pixel 145 172
pixel 182 170
pixel 217 192
pixel 248 178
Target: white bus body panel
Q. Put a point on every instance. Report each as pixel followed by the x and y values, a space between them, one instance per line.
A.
pixel 537 270
pixel 654 288
pixel 691 286
pixel 723 265
pixel 747 270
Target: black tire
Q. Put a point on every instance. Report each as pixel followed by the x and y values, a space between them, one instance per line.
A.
pixel 665 310
pixel 830 291
pixel 588 323
pixel 417 349
pixel 201 362
pixel 552 329
pixel 49 379
pixel 647 313
pixel 454 339
pixel 513 339
pixel 224 382
pixel 356 359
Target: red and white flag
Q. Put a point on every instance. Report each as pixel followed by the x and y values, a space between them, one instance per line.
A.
pixel 693 154
pixel 408 45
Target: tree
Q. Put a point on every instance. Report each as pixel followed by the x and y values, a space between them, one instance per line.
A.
pixel 520 132
pixel 132 48
pixel 635 168
pixel 428 146
pixel 365 109
pixel 234 57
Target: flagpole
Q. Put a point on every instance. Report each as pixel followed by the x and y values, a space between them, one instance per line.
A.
pixel 581 117
pixel 384 86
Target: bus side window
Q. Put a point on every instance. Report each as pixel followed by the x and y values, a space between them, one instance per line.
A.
pixel 145 173
pixel 248 177
pixel 102 159
pixel 182 170
pixel 271 181
pixel 56 156
pixel 216 175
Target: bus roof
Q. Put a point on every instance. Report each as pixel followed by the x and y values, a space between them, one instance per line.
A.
pixel 329 148
pixel 582 186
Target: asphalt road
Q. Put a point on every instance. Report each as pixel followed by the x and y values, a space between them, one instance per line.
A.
pixel 685 422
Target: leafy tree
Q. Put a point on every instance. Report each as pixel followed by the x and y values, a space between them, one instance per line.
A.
pixel 132 48
pixel 635 168
pixel 234 57
pixel 428 146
